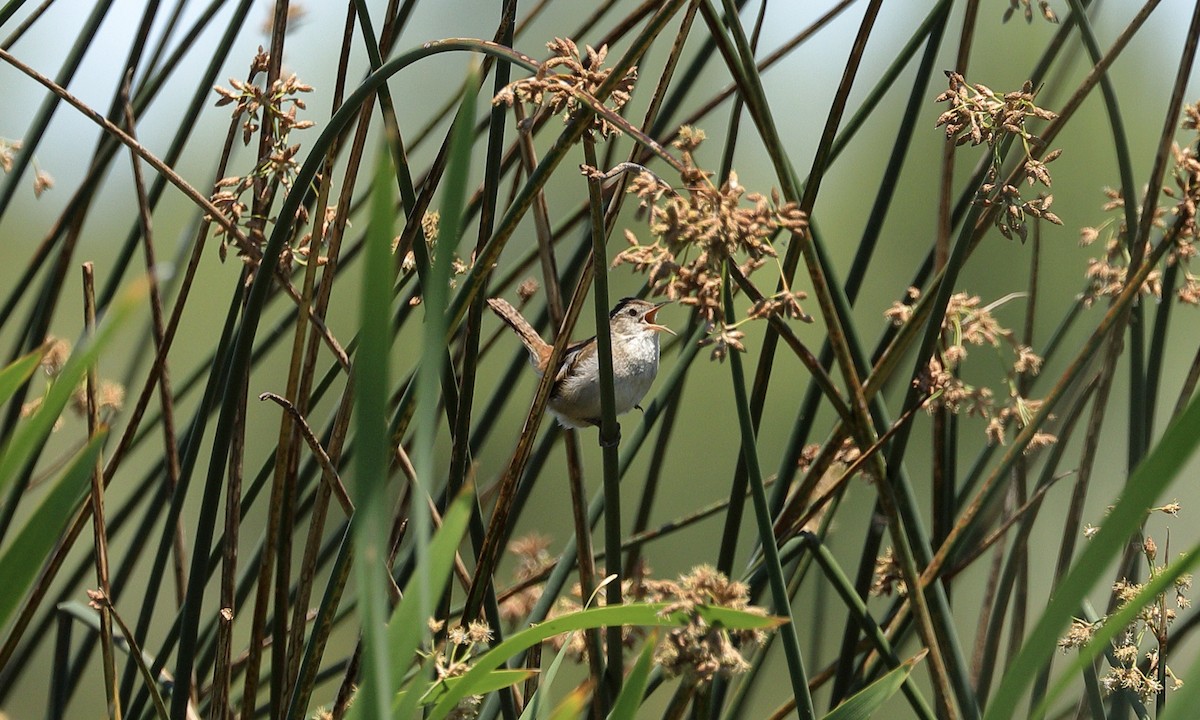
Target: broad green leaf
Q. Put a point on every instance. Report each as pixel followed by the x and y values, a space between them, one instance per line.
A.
pixel 866 701
pixel 23 558
pixel 435 297
pixel 645 614
pixel 408 625
pixel 635 684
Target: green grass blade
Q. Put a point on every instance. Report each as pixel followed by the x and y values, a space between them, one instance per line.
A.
pixel 22 559
pixel 436 297
pixel 409 623
pixel 1118 623
pixel 572 707
pixel 1148 481
pixel 644 614
pixel 33 432
pixel 865 702
pixel 494 681
pixel 634 688
pixel 1183 702
pixel 13 376
pixel 407 626
pixel 538 706
pixel 371 461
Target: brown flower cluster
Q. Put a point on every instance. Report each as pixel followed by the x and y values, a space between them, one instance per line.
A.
pixel 1026 8
pixel 1186 175
pixel 253 104
pixel 722 338
pixel 697 650
pixel 1136 670
pixel 1107 274
pixel 110 395
pixel 301 253
pixel 533 556
pixel 1078 635
pixel 968 322
pixel 1018 411
pixel 560 92
pixel 978 115
pixel 888 577
pixel 846 454
pixel 636 588
pixel 430 224
pixel 42 180
pixel 454 657
pixel 8 148
pixel 296 14
pixel 697 232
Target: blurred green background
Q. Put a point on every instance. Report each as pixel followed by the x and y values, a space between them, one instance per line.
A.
pixel 800 88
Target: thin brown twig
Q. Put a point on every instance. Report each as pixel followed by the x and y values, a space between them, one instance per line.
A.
pixel 165 395
pixel 99 530
pixel 585 559
pixel 329 471
pixel 103 601
pixel 541 223
pixel 785 525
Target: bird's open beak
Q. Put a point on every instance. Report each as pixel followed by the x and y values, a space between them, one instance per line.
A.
pixel 650 316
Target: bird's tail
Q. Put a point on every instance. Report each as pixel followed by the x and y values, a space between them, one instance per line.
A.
pixel 539 349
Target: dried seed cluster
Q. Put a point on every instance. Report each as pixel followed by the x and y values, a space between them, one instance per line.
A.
pixel 110 395
pixel 532 552
pixel 697 232
pixel 454 657
pixel 635 588
pixel 430 227
pixel 42 180
pixel 968 322
pixel 8 150
pixel 979 115
pixel 700 651
pixel 1186 175
pixel 1026 8
pixel 697 650
pixel 1136 670
pixel 296 15
pixel 253 104
pixel 1107 275
pixel 559 92
pixel 888 578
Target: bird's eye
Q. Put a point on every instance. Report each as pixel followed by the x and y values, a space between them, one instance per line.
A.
pixel 631 312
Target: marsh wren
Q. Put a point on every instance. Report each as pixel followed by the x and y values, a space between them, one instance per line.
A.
pixel 575 394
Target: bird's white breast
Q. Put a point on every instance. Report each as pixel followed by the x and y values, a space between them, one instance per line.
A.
pixel 635 363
